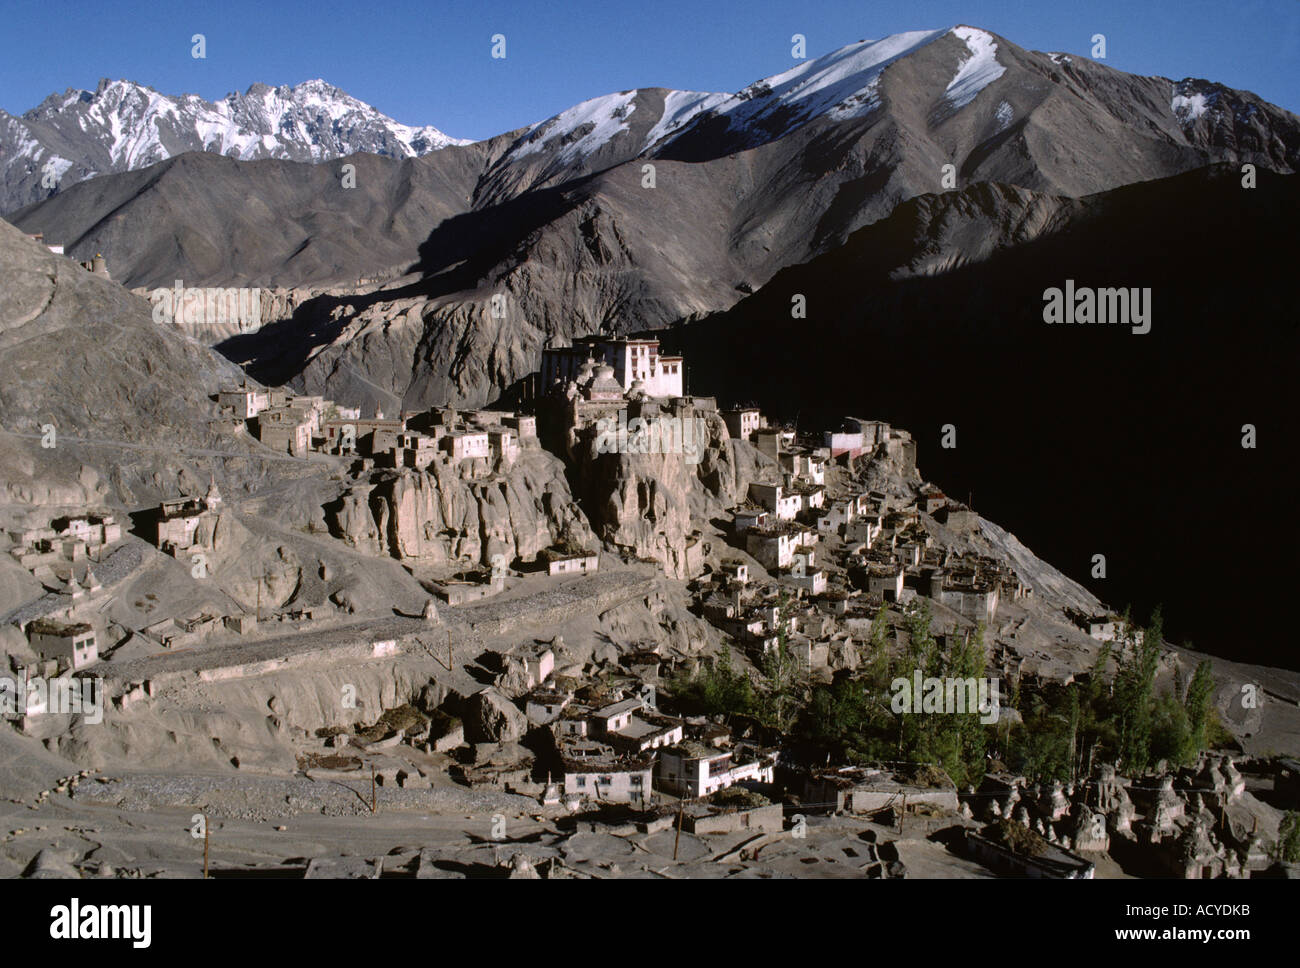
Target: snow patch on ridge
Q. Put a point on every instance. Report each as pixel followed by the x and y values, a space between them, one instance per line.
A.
pixel 1004 114
pixel 1190 108
pixel 583 129
pixel 680 109
pixel 841 85
pixel 977 71
pixel 56 166
pixel 1188 104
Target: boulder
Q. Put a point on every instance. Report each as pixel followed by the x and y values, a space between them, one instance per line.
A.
pixel 491 717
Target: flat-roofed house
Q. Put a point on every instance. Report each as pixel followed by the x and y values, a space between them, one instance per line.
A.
pixel 931 500
pixel 503 444
pixel 693 769
pixel 610 778
pixel 747 518
pixel 776 500
pixel 861 790
pixel 243 402
pixel 417 450
pixel 885 580
pixel 570 562
pixel 743 422
pixel 285 429
pixel 543 705
pixel 612 718
pixel 71 644
pixel 773 547
pixel 735 570
pixel 464 445
pixel 647 731
pixel 525 425
pixel 177 523
pixel 630 361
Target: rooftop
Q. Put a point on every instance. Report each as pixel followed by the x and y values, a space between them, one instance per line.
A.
pixel 49 626
pixel 618 708
pixel 695 750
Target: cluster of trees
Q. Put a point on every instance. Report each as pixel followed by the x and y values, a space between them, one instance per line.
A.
pixel 1067 728
pixel 854 717
pixel 719 688
pixel 1288 841
pixel 1062 730
pixel 857 717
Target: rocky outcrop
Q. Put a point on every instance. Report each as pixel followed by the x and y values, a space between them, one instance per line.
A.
pixel 652 505
pixel 101 405
pixel 441 514
pixel 492 718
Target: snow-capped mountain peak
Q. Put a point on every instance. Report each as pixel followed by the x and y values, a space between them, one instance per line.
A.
pixel 839 86
pixel 122 125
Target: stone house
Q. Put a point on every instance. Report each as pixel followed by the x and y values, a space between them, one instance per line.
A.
pixel 243 402
pixel 805 465
pixel 628 361
pixel 543 706
pixel 464 445
pixel 647 731
pixel 615 716
pixel 959 518
pixel 709 818
pixel 418 450
pixel 856 789
pixel 735 570
pixel 885 580
pixel 71 644
pixel 610 779
pixel 976 602
pixel 580 563
pixel 931 500
pixel 692 769
pixel 749 518
pixel 177 522
pixel 743 422
pixel 835 515
pixel 774 497
pixel 524 425
pixel 502 444
pixel 811 580
pixel 286 430
pixel 1055 862
pixel 773 547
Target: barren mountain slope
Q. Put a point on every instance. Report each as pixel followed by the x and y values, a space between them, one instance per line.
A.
pixel 559 218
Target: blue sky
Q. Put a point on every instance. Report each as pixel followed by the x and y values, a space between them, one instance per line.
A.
pixel 429 63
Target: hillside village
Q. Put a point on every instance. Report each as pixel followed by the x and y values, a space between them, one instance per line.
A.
pixel 719 541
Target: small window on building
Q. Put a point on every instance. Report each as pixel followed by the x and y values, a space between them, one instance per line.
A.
pixel 581 781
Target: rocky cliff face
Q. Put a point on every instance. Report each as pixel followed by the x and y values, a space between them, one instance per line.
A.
pixel 440 514
pixel 650 504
